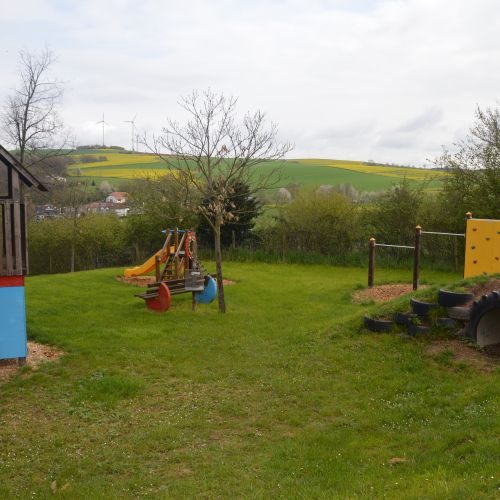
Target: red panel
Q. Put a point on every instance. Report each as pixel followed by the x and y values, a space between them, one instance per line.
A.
pixel 11 281
pixel 162 302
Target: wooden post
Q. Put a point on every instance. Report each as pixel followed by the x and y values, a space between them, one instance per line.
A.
pixel 176 258
pixel 193 302
pixel 371 263
pixel 2 239
pixel 157 268
pixel 24 235
pixel 416 257
pixel 234 239
pixel 8 239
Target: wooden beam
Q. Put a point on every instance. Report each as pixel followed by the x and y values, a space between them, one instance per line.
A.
pixel 416 257
pixel 2 240
pixel 24 240
pixel 371 263
pixel 17 247
pixel 8 238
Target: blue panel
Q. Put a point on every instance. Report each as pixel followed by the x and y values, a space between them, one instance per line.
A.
pixel 12 322
pixel 209 292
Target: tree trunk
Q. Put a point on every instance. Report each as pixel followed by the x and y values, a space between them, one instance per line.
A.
pixel 218 266
pixel 73 245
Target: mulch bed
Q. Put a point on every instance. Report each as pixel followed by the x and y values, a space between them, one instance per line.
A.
pixel 382 293
pixel 484 288
pixel 37 354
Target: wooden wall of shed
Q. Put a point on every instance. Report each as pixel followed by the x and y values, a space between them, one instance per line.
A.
pixel 13 234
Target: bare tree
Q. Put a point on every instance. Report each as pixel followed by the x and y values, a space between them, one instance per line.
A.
pixel 474 167
pixel 212 152
pixel 30 118
pixel 70 196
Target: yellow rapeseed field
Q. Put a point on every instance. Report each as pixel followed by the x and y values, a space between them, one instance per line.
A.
pixel 116 159
pixel 356 166
pixel 125 173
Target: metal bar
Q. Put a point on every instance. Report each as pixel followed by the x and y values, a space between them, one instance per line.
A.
pixel 393 246
pixel 444 234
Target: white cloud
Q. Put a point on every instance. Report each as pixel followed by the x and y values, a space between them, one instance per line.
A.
pixel 390 80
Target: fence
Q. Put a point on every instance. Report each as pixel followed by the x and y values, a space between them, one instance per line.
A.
pixel 417 249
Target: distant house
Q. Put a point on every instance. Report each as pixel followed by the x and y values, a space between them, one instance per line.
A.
pixel 122 212
pixel 103 207
pixel 96 207
pixel 117 197
pixel 46 212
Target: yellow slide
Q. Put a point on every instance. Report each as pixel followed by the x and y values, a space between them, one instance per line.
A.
pixel 148 266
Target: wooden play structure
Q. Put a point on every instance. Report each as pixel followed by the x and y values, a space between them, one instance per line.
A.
pixel 482 249
pixel 13 255
pixel 182 272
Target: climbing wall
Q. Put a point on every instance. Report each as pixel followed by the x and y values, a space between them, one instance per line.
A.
pixel 482 252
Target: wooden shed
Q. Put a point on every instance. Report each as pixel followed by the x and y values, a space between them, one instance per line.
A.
pixel 13 216
pixel 13 255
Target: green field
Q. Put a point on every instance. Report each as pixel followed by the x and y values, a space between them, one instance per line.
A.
pixel 282 397
pixel 307 173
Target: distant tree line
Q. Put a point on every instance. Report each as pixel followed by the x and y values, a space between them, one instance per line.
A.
pixel 329 224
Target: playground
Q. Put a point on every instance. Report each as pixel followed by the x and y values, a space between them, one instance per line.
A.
pixel 285 395
pixel 474 316
pixel 272 399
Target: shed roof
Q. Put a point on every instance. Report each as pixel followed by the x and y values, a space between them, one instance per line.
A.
pixel 27 177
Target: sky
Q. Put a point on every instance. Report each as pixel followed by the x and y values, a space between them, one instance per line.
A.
pixel 384 80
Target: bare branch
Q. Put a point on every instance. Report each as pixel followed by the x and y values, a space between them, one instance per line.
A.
pixel 212 153
pixel 30 121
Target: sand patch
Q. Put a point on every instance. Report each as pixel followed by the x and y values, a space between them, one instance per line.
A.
pixel 37 354
pixel 144 281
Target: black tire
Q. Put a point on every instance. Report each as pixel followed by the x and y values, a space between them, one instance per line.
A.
pixel 378 325
pixel 404 319
pixel 416 329
pixel 422 308
pixel 460 313
pixel 485 320
pixel 453 299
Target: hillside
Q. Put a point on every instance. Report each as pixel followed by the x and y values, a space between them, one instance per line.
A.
pixel 127 166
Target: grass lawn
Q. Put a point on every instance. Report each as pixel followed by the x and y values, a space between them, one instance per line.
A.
pixel 281 397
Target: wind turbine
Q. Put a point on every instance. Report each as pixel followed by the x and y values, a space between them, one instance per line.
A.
pixel 132 123
pixel 103 123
